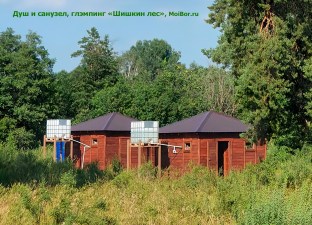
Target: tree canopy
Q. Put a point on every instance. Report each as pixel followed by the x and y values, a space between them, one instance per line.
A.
pixel 26 83
pixel 148 57
pixel 147 82
pixel 97 70
pixel 267 46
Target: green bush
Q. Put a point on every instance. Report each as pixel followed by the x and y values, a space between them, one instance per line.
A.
pixel 199 176
pixel 101 204
pixel 122 180
pixel 147 171
pixel 22 139
pixel 91 174
pixel 62 212
pixel 88 218
pixel 268 209
pixel 299 210
pixel 116 166
pixel 69 179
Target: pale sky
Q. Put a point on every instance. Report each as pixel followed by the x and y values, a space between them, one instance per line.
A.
pixel 60 34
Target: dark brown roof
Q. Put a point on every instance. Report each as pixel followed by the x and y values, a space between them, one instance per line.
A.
pixel 110 122
pixel 206 122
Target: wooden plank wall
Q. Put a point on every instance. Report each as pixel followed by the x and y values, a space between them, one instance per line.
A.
pixel 250 156
pixel 122 153
pixel 238 154
pixel 134 157
pixel 116 146
pixel 95 153
pixel 176 160
pixel 109 145
pixel 261 153
pixel 111 149
pixel 203 155
pixel 183 158
pixel 153 154
pixel 148 153
pixel 191 157
pixel 212 154
pixel 203 151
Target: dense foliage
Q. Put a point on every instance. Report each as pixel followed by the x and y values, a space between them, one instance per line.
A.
pixel 171 96
pixel 148 59
pixel 26 84
pixel 146 82
pixel 267 46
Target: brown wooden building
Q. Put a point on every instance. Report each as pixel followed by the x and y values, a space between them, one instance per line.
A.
pixel 107 137
pixel 209 139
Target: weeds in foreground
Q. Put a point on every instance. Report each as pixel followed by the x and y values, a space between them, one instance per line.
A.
pixel 273 192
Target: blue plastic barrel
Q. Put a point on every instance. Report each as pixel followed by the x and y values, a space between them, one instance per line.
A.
pixel 60 151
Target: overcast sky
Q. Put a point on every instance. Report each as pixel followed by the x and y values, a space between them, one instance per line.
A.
pixel 60 34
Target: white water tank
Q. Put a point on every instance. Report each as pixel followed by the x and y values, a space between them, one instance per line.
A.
pixel 144 132
pixel 59 128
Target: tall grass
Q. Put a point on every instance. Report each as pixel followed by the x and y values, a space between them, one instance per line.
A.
pixel 277 191
pixel 29 167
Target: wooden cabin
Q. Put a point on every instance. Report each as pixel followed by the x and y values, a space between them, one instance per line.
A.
pixel 209 139
pixel 107 137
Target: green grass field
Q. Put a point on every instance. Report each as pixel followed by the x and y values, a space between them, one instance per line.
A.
pixel 37 191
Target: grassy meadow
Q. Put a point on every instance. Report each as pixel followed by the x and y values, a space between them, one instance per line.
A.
pixel 34 190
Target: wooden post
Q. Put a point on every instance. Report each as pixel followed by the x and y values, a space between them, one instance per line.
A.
pixel 128 154
pixel 183 155
pixel 255 154
pixel 199 148
pixel 244 148
pixel 139 156
pixel 217 158
pixel 159 160
pixel 71 148
pixel 44 146
pixel 208 154
pixel 231 154
pixel 54 149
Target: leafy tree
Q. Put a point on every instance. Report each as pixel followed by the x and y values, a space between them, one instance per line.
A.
pixel 267 46
pixel 166 96
pixel 26 83
pixel 97 70
pixel 7 124
pixel 148 58
pixel 211 88
pixel 159 100
pixel 64 95
pixel 98 58
pixel 21 139
pixel 116 98
pixel 172 96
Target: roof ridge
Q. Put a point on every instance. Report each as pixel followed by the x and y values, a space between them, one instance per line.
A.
pixel 204 120
pixel 228 116
pixel 110 120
